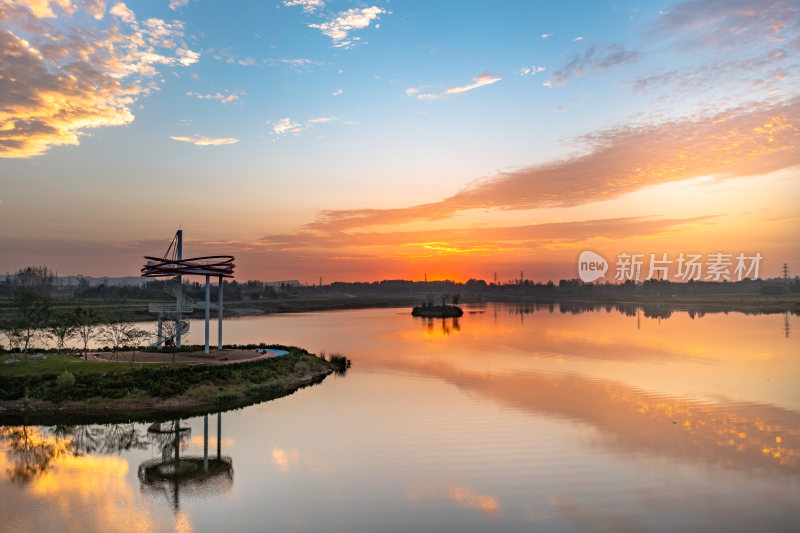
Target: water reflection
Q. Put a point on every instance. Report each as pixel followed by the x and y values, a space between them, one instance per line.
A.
pixel 440 327
pixel 736 435
pixel 83 492
pixel 174 473
pixel 657 311
pixel 28 454
pixel 522 418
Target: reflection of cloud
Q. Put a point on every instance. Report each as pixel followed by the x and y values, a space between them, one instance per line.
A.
pixel 201 140
pixel 56 84
pixel 480 81
pixel 459 494
pixel 197 440
pixel 743 141
pixel 741 436
pixel 73 484
pixel 283 459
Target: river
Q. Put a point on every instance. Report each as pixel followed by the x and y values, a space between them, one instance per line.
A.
pixel 511 418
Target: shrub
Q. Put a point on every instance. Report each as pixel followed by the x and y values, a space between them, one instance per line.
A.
pixel 65 381
pixel 225 398
pixel 339 362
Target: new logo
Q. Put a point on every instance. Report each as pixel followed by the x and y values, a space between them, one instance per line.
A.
pixel 591 266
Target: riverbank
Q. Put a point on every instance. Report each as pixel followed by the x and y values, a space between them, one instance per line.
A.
pixel 136 310
pixel 37 392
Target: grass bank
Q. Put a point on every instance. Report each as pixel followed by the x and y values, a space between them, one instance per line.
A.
pixel 92 391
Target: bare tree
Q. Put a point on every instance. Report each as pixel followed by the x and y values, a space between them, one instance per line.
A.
pixel 169 331
pixel 30 294
pixel 135 337
pixel 13 334
pixel 88 324
pixel 117 333
pixel 61 329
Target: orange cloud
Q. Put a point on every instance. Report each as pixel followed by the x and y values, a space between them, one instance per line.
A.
pixel 56 84
pixel 742 141
pixel 489 238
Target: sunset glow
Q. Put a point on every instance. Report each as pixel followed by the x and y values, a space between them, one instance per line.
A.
pixel 397 139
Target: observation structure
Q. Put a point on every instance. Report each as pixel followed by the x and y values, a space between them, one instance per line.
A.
pixel 173 265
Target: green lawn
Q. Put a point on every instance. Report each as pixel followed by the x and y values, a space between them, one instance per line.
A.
pixel 53 365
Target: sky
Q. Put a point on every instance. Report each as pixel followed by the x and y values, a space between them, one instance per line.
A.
pixel 360 141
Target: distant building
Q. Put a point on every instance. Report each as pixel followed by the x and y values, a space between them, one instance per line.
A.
pixel 285 283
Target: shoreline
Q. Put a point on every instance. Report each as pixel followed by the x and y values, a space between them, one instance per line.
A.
pixel 219 386
pixel 748 303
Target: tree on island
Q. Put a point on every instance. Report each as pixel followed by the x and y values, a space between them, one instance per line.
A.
pixel 87 323
pixel 30 294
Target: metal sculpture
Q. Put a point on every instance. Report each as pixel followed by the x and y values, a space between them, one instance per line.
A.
pixel 172 264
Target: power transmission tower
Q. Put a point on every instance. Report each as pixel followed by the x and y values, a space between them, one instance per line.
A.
pixel 786 276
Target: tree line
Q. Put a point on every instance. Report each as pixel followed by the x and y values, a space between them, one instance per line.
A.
pixel 30 293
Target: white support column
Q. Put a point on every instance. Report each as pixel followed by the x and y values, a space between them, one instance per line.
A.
pixel 179 293
pixel 205 442
pixel 208 306
pixel 219 435
pixel 178 311
pixel 219 313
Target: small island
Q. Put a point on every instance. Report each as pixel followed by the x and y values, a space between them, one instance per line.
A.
pixel 429 310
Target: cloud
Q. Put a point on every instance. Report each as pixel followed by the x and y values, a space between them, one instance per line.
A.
pixel 200 140
pixel 480 81
pixel 480 239
pixel 175 4
pixel 595 58
pixel 121 10
pixel 296 63
pixel 742 141
pixel 286 126
pixel 727 23
pixel 309 6
pixel 532 70
pixel 339 27
pixel 337 92
pixel 579 38
pixel 756 75
pixel 96 8
pixel 41 9
pixel 54 85
pixel 224 98
pixel 546 35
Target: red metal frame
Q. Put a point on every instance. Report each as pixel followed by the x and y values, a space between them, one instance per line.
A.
pixel 212 265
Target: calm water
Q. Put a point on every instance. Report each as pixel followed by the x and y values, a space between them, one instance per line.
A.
pixel 502 420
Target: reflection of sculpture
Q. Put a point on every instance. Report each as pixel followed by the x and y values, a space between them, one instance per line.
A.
pixel 175 473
